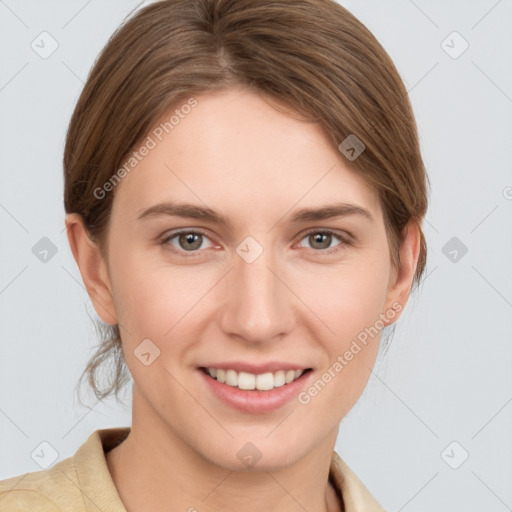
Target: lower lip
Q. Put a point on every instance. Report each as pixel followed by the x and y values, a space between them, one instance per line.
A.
pixel 254 401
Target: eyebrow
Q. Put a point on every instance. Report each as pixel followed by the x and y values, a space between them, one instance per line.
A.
pixel 204 213
pixel 330 211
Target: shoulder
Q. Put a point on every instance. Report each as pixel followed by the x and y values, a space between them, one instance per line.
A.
pixel 76 484
pixel 49 490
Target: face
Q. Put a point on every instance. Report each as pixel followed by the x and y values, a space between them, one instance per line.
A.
pixel 273 287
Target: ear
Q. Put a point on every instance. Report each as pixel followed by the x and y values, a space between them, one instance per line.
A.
pixel 92 267
pixel 401 279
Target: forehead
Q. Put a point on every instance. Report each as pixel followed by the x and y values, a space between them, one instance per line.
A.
pixel 234 147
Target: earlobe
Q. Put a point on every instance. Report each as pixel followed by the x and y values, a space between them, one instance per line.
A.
pixel 92 268
pixel 402 278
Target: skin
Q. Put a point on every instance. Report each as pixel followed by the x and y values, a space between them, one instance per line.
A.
pixel 237 155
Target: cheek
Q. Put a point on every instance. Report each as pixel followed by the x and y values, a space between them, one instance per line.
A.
pixel 351 351
pixel 352 299
pixel 158 300
pixel 351 308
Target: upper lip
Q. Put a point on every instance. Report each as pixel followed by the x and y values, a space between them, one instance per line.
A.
pixel 256 369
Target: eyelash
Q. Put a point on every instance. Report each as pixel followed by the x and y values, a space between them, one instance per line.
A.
pixel 324 252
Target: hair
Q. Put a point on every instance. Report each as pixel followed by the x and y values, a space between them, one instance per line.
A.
pixel 312 57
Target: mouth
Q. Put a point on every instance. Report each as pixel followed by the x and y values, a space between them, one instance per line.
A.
pixel 254 382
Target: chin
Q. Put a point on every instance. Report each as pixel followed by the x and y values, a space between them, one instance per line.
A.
pixel 257 453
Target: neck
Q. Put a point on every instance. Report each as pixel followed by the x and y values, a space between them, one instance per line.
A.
pixel 155 469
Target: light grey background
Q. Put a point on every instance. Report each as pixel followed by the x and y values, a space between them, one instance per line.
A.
pixel 447 376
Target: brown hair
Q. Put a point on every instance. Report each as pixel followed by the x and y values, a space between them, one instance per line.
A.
pixel 312 56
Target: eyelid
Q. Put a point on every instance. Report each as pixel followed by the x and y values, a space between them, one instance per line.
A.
pixel 342 235
pixel 168 235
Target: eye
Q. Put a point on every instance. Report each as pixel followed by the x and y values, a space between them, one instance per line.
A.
pixel 187 242
pixel 191 242
pixel 322 239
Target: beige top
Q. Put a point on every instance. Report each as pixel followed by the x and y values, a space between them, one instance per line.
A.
pixel 82 483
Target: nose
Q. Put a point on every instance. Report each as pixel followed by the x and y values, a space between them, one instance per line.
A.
pixel 257 303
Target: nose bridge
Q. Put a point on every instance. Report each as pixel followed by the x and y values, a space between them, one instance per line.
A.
pixel 257 302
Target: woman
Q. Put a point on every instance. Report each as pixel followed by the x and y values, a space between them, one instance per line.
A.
pixel 244 194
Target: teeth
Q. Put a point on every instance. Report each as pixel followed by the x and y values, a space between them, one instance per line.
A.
pixel 246 380
pixel 262 382
pixel 231 378
pixel 279 379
